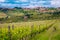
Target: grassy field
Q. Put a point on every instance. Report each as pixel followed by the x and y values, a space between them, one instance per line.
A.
pixel 30 24
pixel 36 30
pixel 49 34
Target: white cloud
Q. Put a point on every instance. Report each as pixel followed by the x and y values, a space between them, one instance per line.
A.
pixel 2 0
pixel 38 3
pixel 9 5
pixel 55 3
pixel 24 0
pixel 21 1
pixel 31 3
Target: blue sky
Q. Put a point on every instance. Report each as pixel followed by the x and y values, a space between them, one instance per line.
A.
pixel 29 3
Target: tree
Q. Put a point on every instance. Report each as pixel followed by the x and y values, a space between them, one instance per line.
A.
pixel 56 13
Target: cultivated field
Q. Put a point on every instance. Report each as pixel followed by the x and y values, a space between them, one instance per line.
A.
pixel 36 30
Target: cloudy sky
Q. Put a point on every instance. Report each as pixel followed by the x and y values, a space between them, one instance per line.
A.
pixel 29 3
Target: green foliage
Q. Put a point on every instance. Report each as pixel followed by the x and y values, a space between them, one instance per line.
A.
pixel 19 13
pixel 37 30
pixel 51 8
pixel 57 13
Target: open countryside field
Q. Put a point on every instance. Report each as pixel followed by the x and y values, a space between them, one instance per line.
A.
pixel 29 24
pixel 36 30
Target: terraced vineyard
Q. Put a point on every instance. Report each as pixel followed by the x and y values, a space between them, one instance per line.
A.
pixel 37 30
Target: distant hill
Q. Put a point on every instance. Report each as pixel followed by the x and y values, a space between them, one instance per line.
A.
pixel 28 14
pixel 22 11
